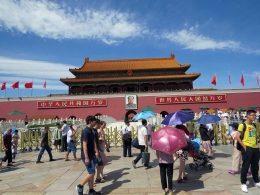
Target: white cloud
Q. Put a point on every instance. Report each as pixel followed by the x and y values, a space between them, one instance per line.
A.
pixel 191 39
pixel 12 70
pixel 51 20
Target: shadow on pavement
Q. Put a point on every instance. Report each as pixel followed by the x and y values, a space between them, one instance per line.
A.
pixel 193 182
pixel 111 158
pixel 114 176
pixel 221 155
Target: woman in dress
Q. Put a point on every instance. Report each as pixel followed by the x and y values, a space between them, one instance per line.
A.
pixel 56 136
pixel 102 146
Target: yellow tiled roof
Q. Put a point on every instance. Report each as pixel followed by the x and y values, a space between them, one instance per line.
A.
pixel 130 64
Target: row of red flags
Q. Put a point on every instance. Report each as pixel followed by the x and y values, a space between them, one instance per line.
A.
pixel 15 85
pixel 242 80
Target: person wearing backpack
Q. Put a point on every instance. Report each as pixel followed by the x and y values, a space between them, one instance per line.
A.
pixel 247 139
pixel 126 138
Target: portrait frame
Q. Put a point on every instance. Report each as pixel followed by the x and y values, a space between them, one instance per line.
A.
pixel 128 100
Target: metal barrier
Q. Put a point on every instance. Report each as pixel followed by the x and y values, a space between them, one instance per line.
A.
pixel 30 140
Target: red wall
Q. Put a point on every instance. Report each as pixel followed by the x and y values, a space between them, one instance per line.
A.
pixel 116 105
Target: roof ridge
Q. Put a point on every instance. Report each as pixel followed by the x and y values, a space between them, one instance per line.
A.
pixel 132 59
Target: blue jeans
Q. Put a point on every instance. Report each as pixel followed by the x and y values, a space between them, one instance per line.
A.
pixel 91 166
pixel 43 148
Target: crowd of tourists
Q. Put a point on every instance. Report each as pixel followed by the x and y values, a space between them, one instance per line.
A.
pixel 245 157
pixel 94 144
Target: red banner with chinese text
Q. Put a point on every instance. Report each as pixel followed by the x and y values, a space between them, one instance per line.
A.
pixel 190 99
pixel 71 103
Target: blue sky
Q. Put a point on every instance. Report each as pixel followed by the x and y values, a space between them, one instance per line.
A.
pixel 42 39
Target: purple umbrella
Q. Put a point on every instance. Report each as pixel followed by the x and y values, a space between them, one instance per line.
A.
pixel 168 140
pixel 177 118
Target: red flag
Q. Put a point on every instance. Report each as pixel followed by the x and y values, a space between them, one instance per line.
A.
pixel 229 78
pixel 242 81
pixel 214 80
pixel 28 85
pixel 44 84
pixel 15 85
pixel 257 79
pixel 3 87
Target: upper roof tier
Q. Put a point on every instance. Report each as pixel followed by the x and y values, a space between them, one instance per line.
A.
pixel 130 64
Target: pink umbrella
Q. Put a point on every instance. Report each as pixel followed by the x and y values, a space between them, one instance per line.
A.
pixel 168 140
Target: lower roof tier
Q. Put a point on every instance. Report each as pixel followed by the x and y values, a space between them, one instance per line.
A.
pixel 67 81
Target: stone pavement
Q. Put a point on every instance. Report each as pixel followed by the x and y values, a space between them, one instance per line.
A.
pixel 61 177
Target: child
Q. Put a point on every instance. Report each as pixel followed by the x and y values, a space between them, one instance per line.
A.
pixel 71 146
pixel 15 143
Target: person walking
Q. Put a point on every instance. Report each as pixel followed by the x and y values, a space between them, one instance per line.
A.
pixel 126 135
pixel 15 140
pixel 7 145
pixel 45 145
pixel 237 157
pixel 102 147
pixel 89 153
pixel 56 136
pixel 142 139
pixel 64 130
pixel 250 150
pixel 71 143
pixel 99 161
pixel 166 169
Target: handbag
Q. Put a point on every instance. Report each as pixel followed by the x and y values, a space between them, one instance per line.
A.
pixel 127 137
pixel 145 157
pixel 135 143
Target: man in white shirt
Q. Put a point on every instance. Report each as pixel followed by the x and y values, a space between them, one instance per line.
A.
pixel 71 146
pixel 64 130
pixel 142 139
pixel 126 142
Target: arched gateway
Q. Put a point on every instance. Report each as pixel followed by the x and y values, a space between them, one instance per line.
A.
pixel 130 114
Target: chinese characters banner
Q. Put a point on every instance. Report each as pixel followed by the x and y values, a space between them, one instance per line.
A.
pixel 190 99
pixel 71 103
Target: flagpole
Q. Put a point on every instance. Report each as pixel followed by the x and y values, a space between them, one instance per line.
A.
pixel 5 89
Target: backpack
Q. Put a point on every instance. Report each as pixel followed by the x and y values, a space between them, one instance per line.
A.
pixel 239 146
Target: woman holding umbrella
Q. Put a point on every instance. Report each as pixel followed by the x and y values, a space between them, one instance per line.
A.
pixel 166 168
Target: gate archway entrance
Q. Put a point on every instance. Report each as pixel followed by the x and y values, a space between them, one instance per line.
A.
pixel 130 114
